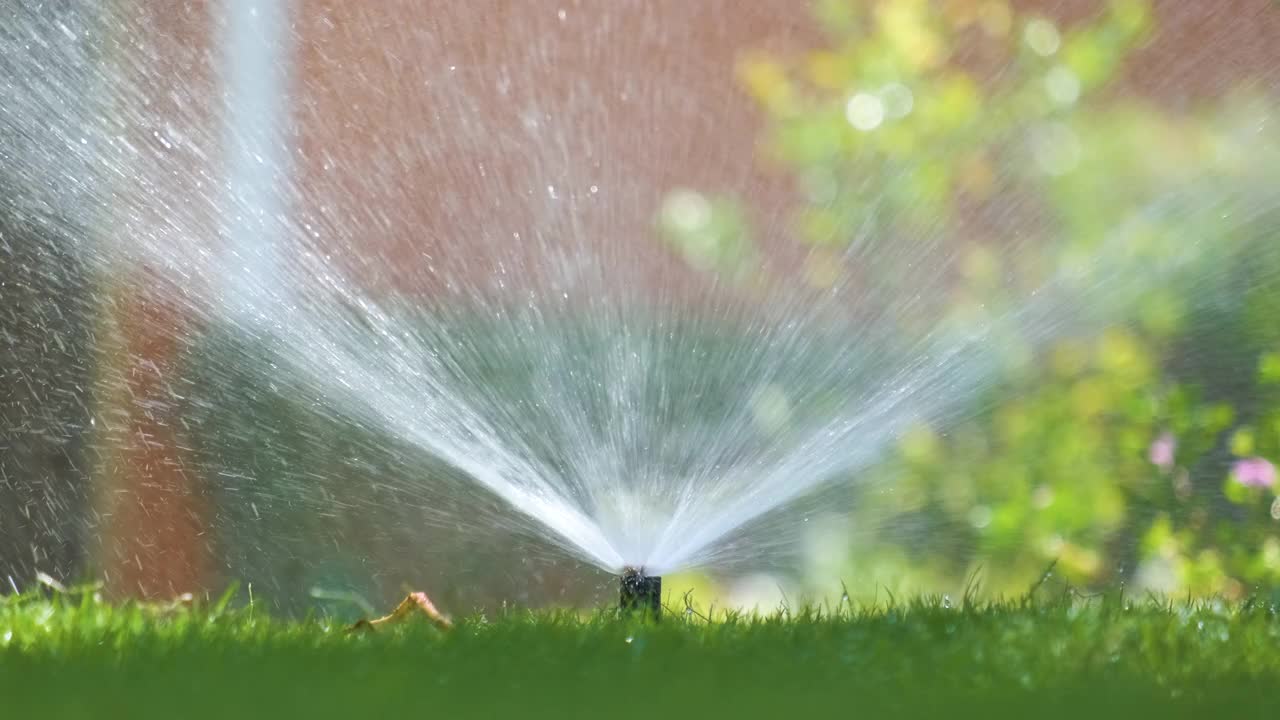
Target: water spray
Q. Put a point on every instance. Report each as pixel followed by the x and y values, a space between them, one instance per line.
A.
pixel 641 593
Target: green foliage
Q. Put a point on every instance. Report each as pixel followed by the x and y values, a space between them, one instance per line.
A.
pixel 1115 452
pixel 72 655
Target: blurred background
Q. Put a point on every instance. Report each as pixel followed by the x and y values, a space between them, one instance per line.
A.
pixel 1142 454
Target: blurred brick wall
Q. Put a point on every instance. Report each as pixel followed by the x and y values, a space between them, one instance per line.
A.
pixel 441 133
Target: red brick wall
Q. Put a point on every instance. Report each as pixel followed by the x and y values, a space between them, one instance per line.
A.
pixel 440 133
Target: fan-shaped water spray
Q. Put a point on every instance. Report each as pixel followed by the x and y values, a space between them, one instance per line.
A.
pixel 451 251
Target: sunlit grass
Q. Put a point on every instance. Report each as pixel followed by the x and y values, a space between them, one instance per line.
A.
pixel 71 655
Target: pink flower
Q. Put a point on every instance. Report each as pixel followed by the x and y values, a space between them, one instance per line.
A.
pixel 1254 472
pixel 1162 451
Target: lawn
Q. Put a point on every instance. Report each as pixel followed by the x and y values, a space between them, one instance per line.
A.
pixel 71 655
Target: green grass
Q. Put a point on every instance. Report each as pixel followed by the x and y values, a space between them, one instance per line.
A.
pixel 69 655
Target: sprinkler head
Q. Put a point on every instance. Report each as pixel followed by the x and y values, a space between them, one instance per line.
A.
pixel 641 592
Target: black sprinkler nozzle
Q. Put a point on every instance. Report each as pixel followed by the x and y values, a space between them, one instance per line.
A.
pixel 641 592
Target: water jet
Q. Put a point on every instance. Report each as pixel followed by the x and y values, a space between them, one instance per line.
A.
pixel 412 281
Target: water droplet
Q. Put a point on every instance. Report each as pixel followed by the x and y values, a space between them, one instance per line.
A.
pixel 1042 37
pixel 980 516
pixel 864 112
pixel 898 100
pixel 1062 85
pixel 771 409
pixel 686 210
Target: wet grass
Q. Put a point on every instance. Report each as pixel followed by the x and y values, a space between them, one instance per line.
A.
pixel 68 655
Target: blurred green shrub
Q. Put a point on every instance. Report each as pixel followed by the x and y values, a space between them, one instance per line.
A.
pixel 1140 454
